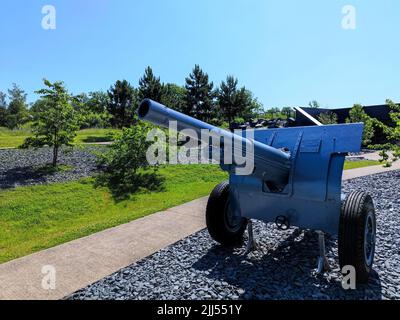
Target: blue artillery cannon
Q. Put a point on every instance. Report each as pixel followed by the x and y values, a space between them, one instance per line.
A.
pixel 296 181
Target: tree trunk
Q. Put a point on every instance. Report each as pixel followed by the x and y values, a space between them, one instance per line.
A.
pixel 55 148
pixel 55 155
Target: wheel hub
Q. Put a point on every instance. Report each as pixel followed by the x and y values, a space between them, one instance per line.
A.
pixel 232 221
pixel 369 239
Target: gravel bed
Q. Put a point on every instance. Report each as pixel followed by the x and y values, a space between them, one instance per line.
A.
pixel 198 268
pixel 22 167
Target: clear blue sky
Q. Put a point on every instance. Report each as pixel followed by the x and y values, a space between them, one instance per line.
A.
pixel 286 52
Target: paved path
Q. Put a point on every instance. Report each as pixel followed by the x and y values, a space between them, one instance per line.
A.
pixel 360 172
pixel 83 261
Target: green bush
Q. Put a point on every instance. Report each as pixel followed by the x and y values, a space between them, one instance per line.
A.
pixel 357 114
pixel 125 169
pixel 328 118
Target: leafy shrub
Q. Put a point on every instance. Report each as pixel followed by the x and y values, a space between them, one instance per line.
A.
pixel 357 114
pixel 125 169
pixel 328 118
pixel 390 151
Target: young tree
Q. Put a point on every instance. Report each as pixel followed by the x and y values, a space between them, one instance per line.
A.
pixel 3 110
pixel 123 102
pixel 37 106
pixel 17 109
pixel 174 97
pixel 328 117
pixel 199 95
pixel 357 114
pixel 150 86
pixel 54 122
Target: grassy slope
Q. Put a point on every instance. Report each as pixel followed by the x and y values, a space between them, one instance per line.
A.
pixel 14 138
pixel 39 217
pixel 94 135
pixel 359 164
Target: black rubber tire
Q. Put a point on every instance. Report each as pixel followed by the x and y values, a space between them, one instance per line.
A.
pixel 355 211
pixel 216 219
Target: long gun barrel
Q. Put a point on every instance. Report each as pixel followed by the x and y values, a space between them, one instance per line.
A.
pixel 270 163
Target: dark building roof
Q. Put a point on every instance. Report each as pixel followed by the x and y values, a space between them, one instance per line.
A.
pixel 380 112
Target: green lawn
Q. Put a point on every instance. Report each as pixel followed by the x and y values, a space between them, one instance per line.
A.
pixel 14 138
pixel 359 164
pixel 39 217
pixel 95 135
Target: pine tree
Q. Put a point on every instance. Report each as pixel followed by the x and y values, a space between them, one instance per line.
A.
pixel 150 86
pixel 123 104
pixel 234 102
pixel 199 95
pixel 226 99
pixel 17 109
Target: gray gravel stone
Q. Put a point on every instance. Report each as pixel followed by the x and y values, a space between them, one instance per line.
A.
pixel 282 269
pixel 20 167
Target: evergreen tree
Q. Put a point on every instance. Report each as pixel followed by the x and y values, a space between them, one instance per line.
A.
pixel 123 104
pixel 199 95
pixel 17 109
pixel 150 86
pixel 3 110
pixel 227 99
pixel 236 103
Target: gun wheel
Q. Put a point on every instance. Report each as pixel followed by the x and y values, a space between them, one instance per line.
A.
pixel 222 225
pixel 357 234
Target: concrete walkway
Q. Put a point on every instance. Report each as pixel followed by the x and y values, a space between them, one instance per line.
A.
pixel 83 261
pixel 366 171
